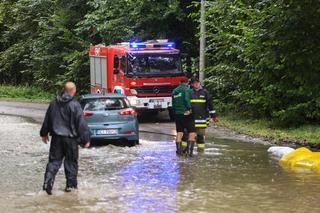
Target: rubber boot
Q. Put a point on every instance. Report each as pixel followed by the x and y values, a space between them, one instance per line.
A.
pixel 200 143
pixel 190 148
pixel 200 147
pixel 184 145
pixel 179 151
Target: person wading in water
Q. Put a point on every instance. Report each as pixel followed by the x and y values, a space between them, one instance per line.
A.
pixel 65 122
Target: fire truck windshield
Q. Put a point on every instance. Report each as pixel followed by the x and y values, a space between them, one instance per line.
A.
pixel 154 65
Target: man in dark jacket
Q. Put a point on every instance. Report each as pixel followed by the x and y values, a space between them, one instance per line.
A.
pixel 203 112
pixel 183 116
pixel 65 122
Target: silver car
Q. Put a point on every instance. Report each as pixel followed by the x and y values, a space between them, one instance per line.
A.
pixel 111 118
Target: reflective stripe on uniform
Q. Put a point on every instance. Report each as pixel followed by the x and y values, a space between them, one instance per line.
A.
pixel 198 101
pixel 200 121
pixel 201 145
pixel 208 121
pixel 184 144
pixel 201 125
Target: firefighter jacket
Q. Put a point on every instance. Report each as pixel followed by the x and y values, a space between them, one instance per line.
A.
pixel 181 99
pixel 202 107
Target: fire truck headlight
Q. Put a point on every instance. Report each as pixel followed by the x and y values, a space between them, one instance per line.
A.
pixel 133 92
pixel 133 100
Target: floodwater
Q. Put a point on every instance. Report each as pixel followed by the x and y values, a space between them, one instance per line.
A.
pixel 229 177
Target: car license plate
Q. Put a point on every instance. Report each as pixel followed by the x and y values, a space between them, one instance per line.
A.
pixel 157 106
pixel 107 132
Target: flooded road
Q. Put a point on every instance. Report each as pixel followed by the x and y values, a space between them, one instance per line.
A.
pixel 229 177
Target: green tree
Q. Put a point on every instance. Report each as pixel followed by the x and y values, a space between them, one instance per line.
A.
pixel 19 28
pixel 45 42
pixel 58 49
pixel 264 58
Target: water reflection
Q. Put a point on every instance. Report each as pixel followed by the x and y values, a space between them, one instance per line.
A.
pixel 152 181
pixel 228 177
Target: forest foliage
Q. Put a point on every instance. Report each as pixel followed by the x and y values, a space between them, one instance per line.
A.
pixel 262 55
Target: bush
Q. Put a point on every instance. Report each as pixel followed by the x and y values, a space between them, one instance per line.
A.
pixel 24 93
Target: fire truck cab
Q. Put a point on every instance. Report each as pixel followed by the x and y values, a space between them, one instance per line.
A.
pixel 146 72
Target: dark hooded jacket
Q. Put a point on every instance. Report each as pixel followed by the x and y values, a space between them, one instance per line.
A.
pixel 64 117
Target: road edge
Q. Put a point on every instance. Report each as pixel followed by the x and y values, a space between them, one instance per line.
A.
pixel 218 132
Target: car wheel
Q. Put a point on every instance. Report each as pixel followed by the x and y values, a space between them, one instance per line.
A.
pixel 133 143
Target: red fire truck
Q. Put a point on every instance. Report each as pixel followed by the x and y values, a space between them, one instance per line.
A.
pixel 146 72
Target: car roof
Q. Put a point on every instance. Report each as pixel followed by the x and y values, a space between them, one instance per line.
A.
pixel 98 95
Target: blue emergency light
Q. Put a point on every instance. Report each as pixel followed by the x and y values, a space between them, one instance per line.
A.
pixel 171 45
pixel 144 45
pixel 138 45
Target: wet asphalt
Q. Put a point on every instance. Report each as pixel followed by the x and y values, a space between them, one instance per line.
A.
pixel 231 176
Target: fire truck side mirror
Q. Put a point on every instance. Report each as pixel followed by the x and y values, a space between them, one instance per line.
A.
pixel 116 65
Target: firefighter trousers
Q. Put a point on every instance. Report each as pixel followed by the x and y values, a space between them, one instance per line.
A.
pixel 201 132
pixel 63 148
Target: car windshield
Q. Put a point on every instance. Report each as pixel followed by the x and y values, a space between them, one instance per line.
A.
pixel 101 104
pixel 154 64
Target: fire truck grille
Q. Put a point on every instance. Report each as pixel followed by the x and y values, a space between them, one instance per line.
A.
pixel 155 89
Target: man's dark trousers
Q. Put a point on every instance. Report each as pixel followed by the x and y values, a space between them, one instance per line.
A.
pixel 63 148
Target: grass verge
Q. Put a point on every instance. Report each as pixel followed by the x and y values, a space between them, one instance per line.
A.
pixel 24 93
pixel 303 135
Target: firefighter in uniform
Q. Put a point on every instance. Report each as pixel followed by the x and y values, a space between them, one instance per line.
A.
pixel 183 116
pixel 203 112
